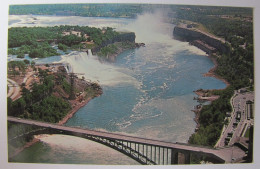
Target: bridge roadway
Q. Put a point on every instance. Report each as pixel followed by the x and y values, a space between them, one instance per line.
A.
pixel 226 155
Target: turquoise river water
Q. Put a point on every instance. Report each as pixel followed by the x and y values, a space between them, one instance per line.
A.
pixel 148 92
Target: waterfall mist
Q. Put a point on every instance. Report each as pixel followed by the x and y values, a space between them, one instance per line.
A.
pixel 95 70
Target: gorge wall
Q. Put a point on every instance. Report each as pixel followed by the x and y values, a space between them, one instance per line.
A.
pixel 202 40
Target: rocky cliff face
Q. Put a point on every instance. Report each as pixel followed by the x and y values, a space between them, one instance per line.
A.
pixel 122 37
pixel 191 35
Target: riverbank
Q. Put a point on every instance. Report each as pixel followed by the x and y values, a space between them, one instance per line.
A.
pixel 204 95
pixel 211 72
pixel 211 116
pixel 74 110
pixel 83 92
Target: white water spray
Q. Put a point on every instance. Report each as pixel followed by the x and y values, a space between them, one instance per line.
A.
pixel 94 70
pixel 149 28
pixel 152 28
pixel 89 53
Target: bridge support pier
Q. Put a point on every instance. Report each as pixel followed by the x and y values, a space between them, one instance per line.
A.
pixel 187 157
pixel 174 157
pixel 183 159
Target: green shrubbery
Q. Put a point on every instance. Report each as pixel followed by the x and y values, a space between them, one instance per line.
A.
pixel 115 47
pixel 62 47
pixel 108 50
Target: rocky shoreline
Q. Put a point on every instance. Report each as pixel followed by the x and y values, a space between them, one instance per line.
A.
pixel 203 94
pixel 210 44
pixel 75 109
pixel 211 72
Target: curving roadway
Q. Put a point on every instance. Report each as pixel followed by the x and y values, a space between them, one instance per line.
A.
pixel 14 89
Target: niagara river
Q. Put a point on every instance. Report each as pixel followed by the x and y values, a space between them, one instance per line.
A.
pixel 147 92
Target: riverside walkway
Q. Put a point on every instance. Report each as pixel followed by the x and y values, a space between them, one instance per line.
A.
pixel 145 151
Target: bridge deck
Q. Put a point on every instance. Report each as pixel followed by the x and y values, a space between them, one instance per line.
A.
pixel 226 153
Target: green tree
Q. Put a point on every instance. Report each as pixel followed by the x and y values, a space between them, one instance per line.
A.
pixel 62 47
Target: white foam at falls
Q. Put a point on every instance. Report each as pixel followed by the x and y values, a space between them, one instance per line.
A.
pixel 103 73
pixel 89 52
pixel 151 28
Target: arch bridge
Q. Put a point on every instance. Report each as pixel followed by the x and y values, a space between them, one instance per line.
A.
pixel 143 150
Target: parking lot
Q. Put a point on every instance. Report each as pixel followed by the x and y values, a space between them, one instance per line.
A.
pixel 239 119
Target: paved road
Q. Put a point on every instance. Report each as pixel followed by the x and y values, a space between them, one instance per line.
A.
pixel 14 89
pixel 203 32
pixel 238 102
pixel 226 153
pixel 29 74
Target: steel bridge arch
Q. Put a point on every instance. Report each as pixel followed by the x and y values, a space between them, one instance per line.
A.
pixel 144 151
pixel 137 151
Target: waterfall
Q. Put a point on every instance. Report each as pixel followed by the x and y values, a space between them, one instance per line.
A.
pixel 67 67
pixel 89 52
pixel 94 70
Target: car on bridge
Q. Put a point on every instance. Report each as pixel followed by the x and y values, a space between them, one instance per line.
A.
pixel 227 140
pixel 230 134
pixel 235 124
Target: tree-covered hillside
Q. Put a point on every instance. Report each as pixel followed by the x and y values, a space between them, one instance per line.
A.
pixel 36 41
pixel 235 25
pixel 96 10
pixel 39 103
